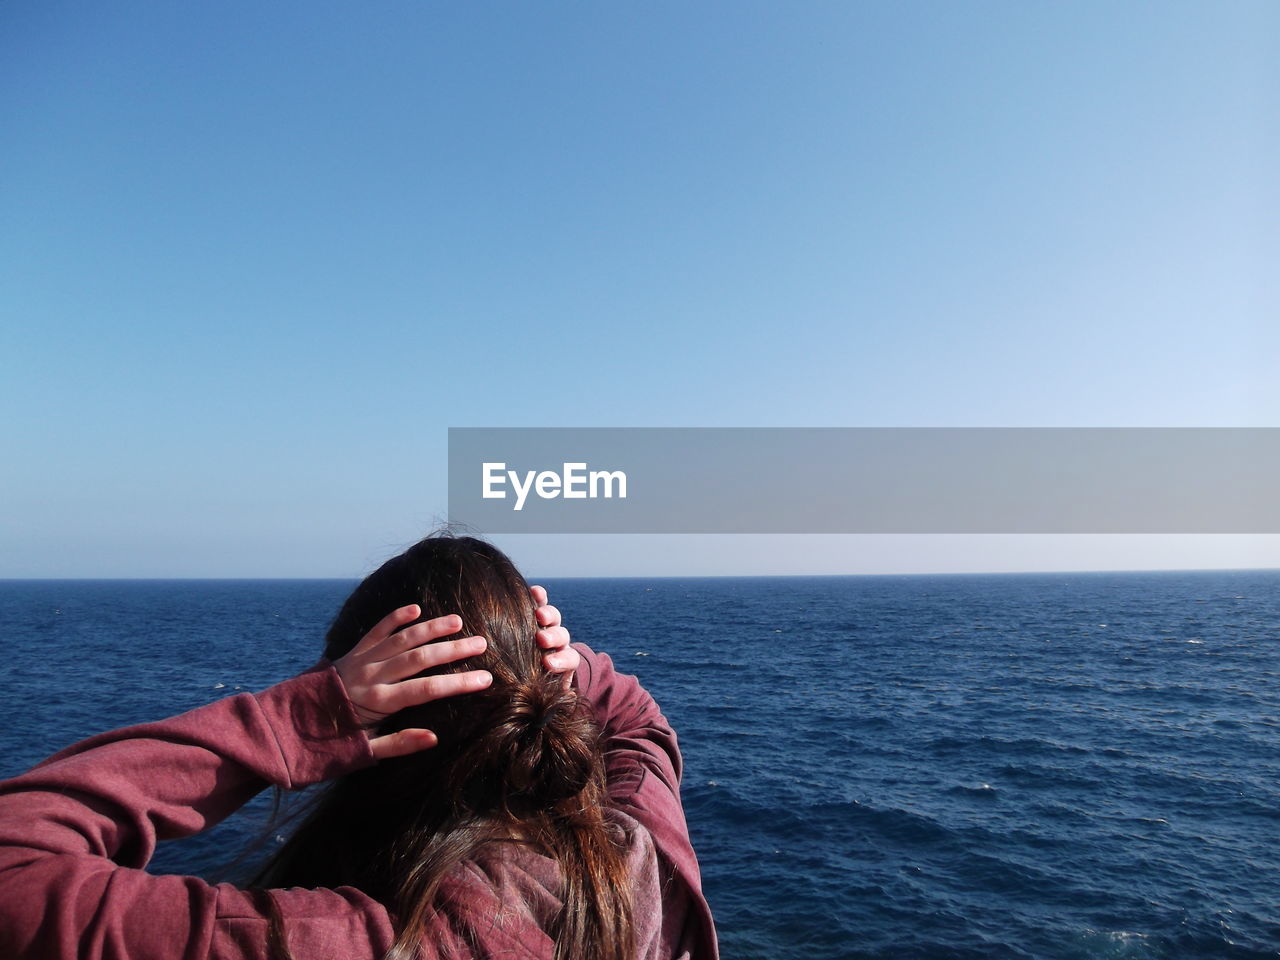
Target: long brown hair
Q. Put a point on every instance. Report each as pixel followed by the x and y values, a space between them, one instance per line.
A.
pixel 518 762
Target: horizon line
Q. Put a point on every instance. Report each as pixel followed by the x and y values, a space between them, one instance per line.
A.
pixel 700 576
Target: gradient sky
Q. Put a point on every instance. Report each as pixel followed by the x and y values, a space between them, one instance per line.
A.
pixel 257 258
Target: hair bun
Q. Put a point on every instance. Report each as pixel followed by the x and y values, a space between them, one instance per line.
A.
pixel 536 704
pixel 541 748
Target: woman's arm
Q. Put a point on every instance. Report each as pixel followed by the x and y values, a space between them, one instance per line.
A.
pixel 643 764
pixel 76 831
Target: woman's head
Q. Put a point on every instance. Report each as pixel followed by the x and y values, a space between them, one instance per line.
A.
pixel 444 575
pixel 515 748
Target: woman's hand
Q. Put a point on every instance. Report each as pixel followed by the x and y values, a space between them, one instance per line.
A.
pixel 377 674
pixel 560 657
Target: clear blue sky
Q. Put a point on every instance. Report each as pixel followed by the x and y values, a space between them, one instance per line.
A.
pixel 257 258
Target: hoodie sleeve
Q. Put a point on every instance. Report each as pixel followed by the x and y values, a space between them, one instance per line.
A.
pixel 643 762
pixel 77 830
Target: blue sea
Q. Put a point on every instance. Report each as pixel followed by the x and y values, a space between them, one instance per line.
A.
pixel 1049 766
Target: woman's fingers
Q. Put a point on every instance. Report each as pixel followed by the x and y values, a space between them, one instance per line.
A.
pixel 548 616
pixel 415 636
pixel 427 656
pixel 411 693
pixel 562 661
pixel 386 626
pixel 402 742
pixel 553 638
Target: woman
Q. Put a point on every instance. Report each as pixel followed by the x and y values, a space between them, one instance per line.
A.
pixel 487 799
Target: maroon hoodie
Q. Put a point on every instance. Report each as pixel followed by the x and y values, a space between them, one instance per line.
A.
pixel 77 830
